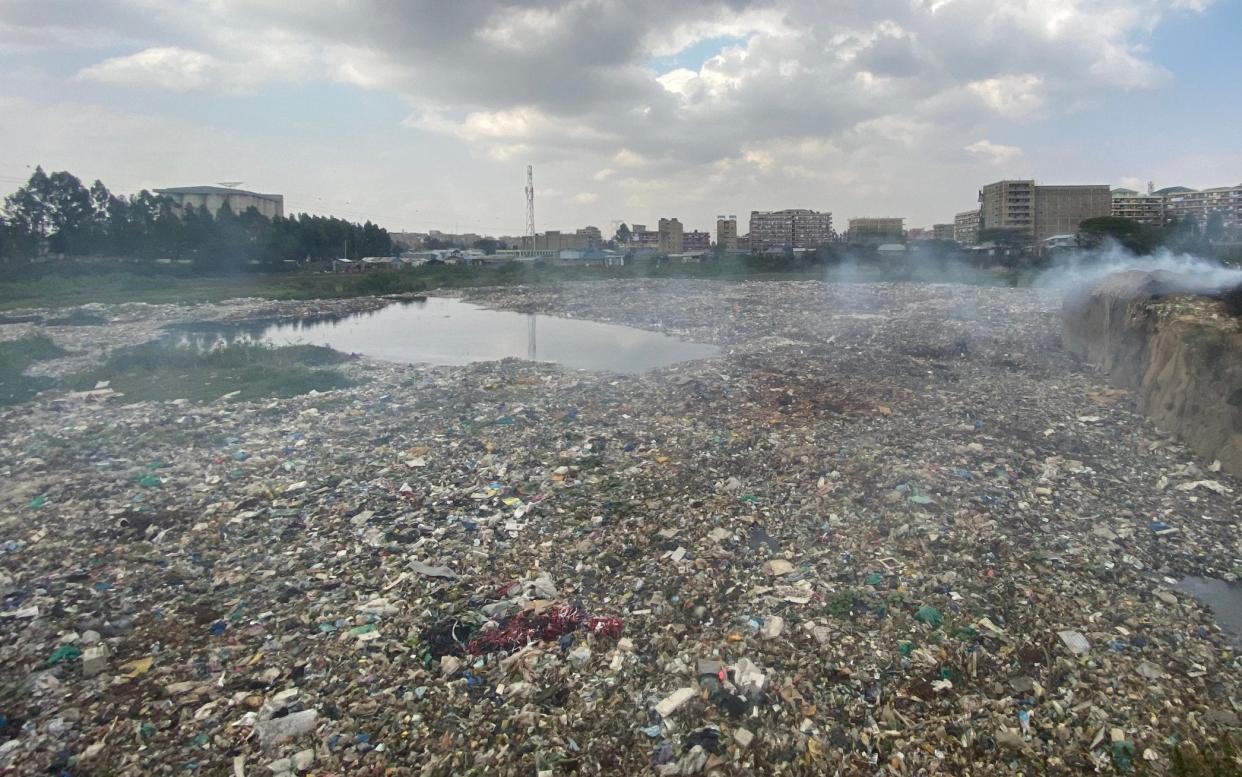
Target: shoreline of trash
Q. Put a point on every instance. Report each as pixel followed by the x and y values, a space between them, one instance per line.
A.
pixel 894 526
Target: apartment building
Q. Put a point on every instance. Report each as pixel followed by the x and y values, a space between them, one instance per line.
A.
pixel 1039 212
pixel 671 237
pixel 966 227
pixel 793 228
pixel 726 233
pixel 942 231
pixel 696 240
pixel 641 237
pixel 1181 204
pixel 874 231
pixel 1144 208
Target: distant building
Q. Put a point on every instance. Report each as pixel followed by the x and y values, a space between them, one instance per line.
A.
pixel 875 231
pixel 966 227
pixel 1059 210
pixel 794 228
pixel 641 237
pixel 215 197
pixel 696 240
pixel 943 231
pixel 1181 204
pixel 594 238
pixel 1039 212
pixel 671 240
pixel 1144 208
pixel 726 233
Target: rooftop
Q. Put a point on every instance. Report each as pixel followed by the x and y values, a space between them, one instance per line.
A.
pixel 210 190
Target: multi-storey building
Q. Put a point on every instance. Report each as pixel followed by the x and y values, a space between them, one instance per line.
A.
pixel 795 228
pixel 1039 212
pixel 594 238
pixel 1008 205
pixel 726 233
pixel 213 198
pixel 942 231
pixel 966 227
pixel 641 237
pixel 877 230
pixel 1182 204
pixel 671 237
pixel 1144 208
pixel 696 240
pixel 1060 209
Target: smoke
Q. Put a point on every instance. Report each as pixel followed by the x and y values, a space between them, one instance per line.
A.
pixel 1079 271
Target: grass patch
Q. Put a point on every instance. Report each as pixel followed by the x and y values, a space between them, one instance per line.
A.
pixel 15 357
pixel 75 285
pixel 162 371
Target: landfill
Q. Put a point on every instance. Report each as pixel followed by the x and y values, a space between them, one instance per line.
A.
pixel 893 529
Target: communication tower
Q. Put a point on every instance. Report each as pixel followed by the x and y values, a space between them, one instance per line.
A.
pixel 530 206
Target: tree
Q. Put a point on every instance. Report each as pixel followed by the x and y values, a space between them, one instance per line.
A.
pixel 1136 237
pixel 624 235
pixel 71 214
pixel 487 245
pixel 1215 229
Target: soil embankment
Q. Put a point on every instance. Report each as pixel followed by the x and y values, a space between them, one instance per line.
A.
pixel 1180 350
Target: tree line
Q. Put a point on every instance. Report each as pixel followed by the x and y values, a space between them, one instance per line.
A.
pixel 57 215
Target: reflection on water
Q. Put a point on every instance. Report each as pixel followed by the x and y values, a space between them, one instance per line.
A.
pixel 449 331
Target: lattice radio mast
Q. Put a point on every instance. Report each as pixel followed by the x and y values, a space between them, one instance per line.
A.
pixel 530 206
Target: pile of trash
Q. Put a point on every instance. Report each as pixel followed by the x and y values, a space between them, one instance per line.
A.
pixel 895 529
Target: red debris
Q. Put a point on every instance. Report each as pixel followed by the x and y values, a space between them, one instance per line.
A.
pixel 526 627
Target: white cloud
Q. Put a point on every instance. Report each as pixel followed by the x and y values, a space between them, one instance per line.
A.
pixel 815 91
pixel 584 198
pixel 994 153
pixel 166 67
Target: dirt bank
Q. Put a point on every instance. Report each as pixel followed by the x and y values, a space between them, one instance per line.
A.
pixel 1180 351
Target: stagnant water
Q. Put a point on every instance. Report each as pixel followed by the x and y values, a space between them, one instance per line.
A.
pixel 449 331
pixel 1222 598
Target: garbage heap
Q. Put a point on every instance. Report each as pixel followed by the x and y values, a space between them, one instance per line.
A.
pixel 1171 339
pixel 892 529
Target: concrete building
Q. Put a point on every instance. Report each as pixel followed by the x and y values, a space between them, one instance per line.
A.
pixel 641 237
pixel 966 227
pixel 1199 205
pixel 876 231
pixel 1008 205
pixel 794 228
pixel 1144 208
pixel 214 198
pixel 671 237
pixel 943 231
pixel 696 240
pixel 1039 212
pixel 594 238
pixel 1060 209
pixel 726 233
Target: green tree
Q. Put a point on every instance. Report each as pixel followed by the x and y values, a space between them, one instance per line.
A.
pixel 487 245
pixel 624 235
pixel 1135 236
pixel 1215 229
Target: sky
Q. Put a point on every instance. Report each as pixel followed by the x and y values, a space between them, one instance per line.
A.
pixel 423 114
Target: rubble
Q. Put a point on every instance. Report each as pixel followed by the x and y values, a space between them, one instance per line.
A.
pixel 894 528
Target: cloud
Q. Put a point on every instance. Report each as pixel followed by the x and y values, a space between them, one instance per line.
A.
pixel 994 153
pixel 584 198
pixel 799 92
pixel 166 67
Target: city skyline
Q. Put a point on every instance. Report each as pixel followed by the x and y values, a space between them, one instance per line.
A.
pixel 424 117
